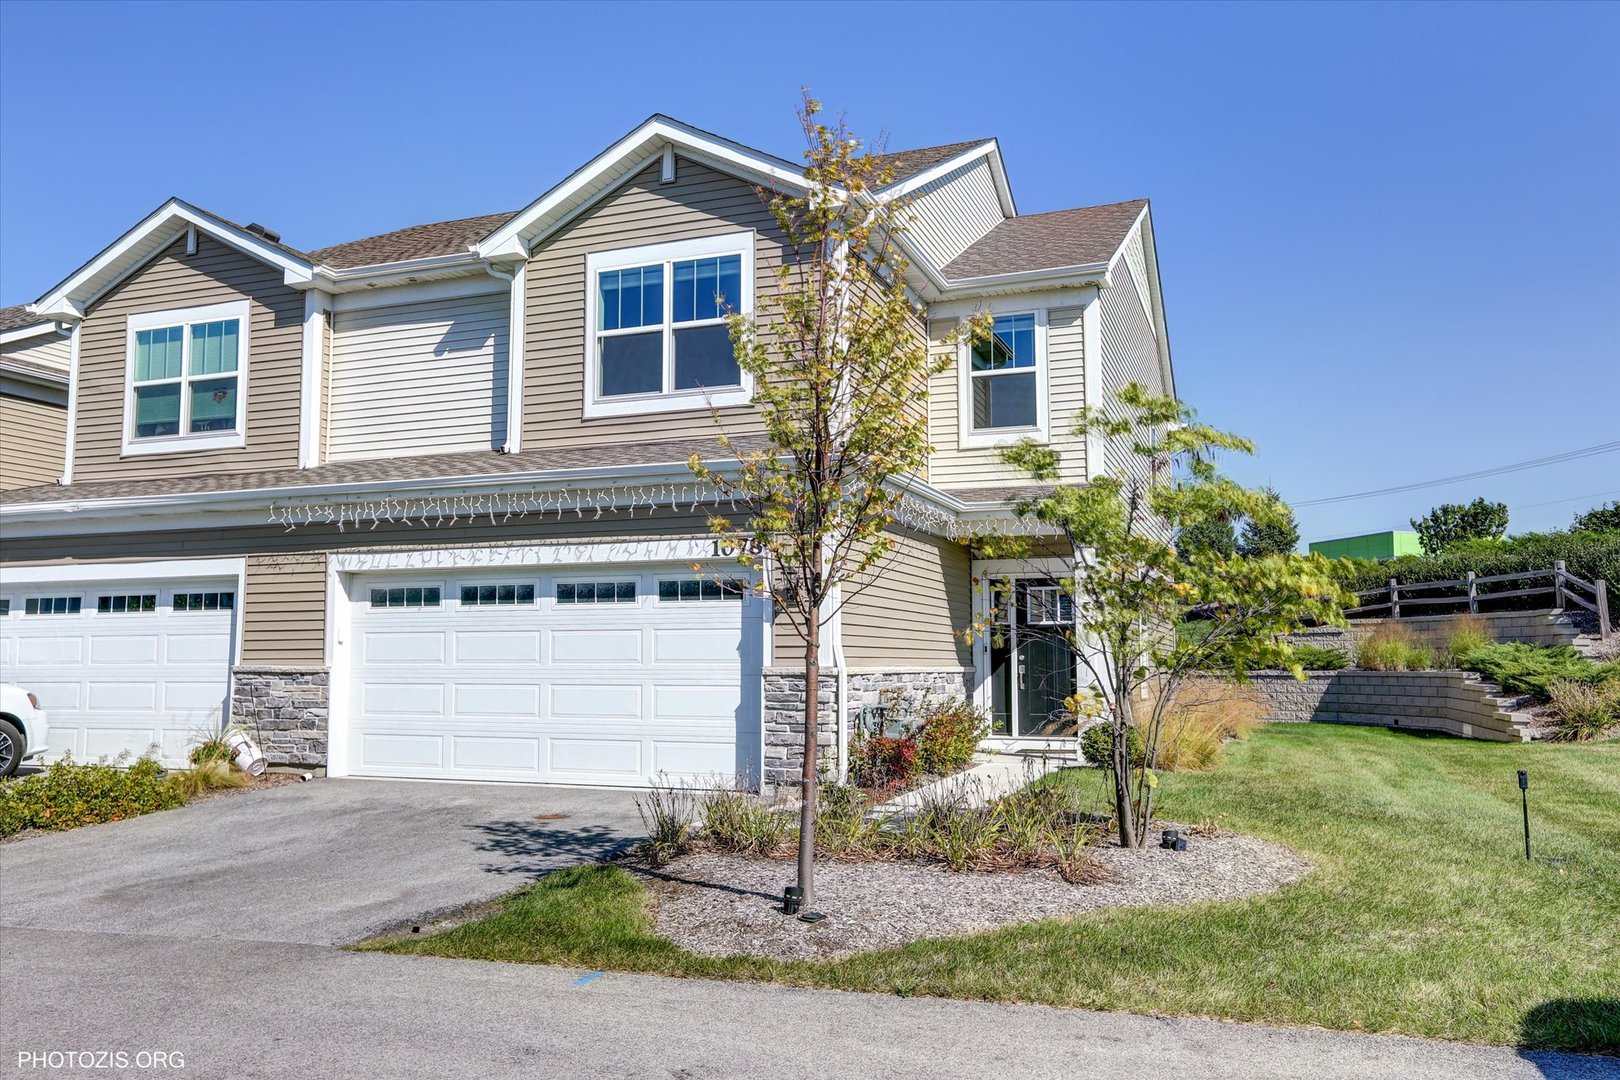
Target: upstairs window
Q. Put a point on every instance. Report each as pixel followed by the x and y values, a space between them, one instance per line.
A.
pixel 659 339
pixel 186 374
pixel 1003 377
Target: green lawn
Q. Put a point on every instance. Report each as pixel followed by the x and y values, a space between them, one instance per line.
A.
pixel 1421 915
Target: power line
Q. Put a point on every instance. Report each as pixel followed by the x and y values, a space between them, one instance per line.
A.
pixel 1572 498
pixel 1535 463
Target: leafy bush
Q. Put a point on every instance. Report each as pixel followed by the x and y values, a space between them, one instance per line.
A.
pixel 1097 743
pixel 949 735
pixel 1392 647
pixel 1588 555
pixel 1533 669
pixel 883 761
pixel 1471 633
pixel 1582 711
pixel 1320 658
pixel 1451 524
pixel 1605 518
pixel 68 795
pixel 1203 716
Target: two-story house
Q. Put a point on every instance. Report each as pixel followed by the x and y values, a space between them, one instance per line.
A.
pixel 418 505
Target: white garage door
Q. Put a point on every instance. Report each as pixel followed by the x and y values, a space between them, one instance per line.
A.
pixel 590 677
pixel 124 666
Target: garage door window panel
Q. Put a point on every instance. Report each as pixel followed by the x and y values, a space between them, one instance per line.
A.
pixel 203 601
pixel 596 592
pixel 508 594
pixel 406 597
pixel 697 590
pixel 131 604
pixel 52 605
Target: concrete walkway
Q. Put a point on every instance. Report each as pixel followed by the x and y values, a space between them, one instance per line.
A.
pixel 994 776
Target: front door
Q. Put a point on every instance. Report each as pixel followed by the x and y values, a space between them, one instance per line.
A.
pixel 1032 661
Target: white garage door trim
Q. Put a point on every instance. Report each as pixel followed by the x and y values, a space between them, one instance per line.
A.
pixel 160 576
pixel 546 562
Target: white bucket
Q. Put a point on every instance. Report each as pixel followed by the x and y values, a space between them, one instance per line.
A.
pixel 245 754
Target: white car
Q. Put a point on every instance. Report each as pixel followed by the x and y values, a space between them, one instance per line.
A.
pixel 22 727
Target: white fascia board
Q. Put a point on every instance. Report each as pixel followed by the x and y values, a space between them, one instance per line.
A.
pixel 87 573
pixel 34 330
pixel 69 299
pixel 1151 258
pixel 998 175
pixel 404 272
pixel 512 240
pixel 1027 280
pixel 57 378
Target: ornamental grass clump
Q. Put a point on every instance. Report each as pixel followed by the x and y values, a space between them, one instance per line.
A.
pixel 737 823
pixel 1470 632
pixel 1205 715
pixel 669 813
pixel 1392 647
pixel 1582 711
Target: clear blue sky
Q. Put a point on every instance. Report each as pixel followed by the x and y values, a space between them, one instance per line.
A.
pixel 1389 235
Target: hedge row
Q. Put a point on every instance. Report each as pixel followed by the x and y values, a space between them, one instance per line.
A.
pixel 1587 555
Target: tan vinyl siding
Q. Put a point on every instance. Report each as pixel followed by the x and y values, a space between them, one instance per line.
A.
pixel 952 212
pixel 701 202
pixel 293 620
pixel 47 350
pixel 955 466
pixel 216 274
pixel 421 378
pixel 914 609
pixel 284 611
pixel 1130 353
pixel 33 442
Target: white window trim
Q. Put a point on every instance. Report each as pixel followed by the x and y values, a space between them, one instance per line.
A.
pixel 239 310
pixel 1041 431
pixel 741 243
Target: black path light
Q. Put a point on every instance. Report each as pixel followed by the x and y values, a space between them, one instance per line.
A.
pixel 1524 794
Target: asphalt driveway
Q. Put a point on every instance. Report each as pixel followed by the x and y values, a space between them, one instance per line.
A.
pixel 323 863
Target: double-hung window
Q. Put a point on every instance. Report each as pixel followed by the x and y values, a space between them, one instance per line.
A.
pixel 1005 384
pixel 187 378
pixel 658 338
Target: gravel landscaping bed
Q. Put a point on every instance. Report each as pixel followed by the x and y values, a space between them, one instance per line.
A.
pixel 717 905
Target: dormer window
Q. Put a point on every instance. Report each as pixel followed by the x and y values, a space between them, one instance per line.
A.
pixel 658 339
pixel 187 375
pixel 1005 381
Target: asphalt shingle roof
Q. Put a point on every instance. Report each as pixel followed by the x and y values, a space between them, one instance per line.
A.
pixel 911 162
pixel 427 468
pixel 17 315
pixel 414 242
pixel 1078 237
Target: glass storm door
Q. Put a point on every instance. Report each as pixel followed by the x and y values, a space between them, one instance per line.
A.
pixel 1032 664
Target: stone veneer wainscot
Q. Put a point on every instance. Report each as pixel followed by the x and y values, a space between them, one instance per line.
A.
pixel 286 709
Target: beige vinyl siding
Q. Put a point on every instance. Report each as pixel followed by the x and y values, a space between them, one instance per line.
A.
pixel 913 608
pixel 33 442
pixel 950 213
pixel 294 619
pixel 701 202
pixel 47 350
pixel 216 274
pixel 421 378
pixel 284 611
pixel 1130 353
pixel 952 465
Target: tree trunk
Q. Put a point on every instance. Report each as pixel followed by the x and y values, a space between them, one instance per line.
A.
pixel 1124 810
pixel 812 727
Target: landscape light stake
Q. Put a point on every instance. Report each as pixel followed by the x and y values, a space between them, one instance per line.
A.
pixel 1524 793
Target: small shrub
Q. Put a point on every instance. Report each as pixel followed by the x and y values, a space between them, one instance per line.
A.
pixel 883 761
pixel 1583 711
pixel 211 748
pixel 1533 669
pixel 1470 633
pixel 842 827
pixel 669 813
pixel 1320 658
pixel 1097 743
pixel 68 795
pixel 1203 716
pixel 949 735
pixel 1392 647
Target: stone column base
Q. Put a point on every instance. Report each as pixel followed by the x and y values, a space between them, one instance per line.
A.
pixel 286 709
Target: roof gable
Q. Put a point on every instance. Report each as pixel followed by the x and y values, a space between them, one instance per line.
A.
pixel 1086 236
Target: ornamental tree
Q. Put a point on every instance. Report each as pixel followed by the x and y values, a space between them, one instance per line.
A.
pixel 1131 587
pixel 1276 536
pixel 1450 524
pixel 840 371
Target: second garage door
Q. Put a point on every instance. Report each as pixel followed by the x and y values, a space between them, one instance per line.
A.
pixel 589 677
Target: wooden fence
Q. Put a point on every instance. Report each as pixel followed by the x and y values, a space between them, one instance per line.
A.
pixel 1565 589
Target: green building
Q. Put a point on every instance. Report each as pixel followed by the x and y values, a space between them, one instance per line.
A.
pixel 1380 546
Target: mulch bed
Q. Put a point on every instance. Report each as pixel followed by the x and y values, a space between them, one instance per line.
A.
pixel 714 904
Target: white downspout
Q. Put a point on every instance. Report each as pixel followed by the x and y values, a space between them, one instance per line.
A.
pixel 840 688
pixel 515 316
pixel 72 406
